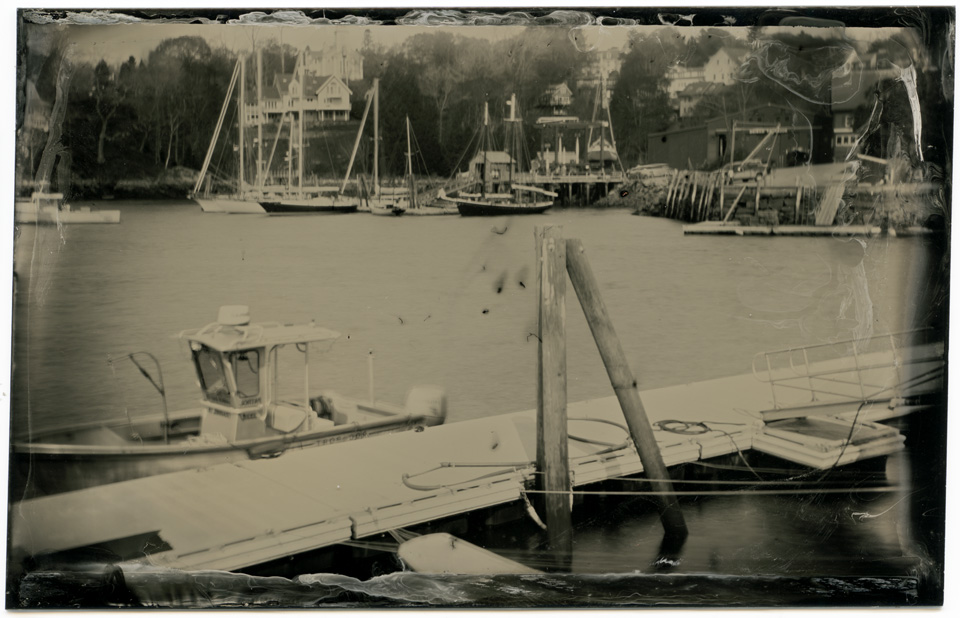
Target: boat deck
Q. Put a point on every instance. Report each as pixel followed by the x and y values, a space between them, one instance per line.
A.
pixel 234 515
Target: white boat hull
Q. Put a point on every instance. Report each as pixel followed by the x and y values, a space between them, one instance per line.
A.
pixel 232 205
pixel 68 461
pixel 34 211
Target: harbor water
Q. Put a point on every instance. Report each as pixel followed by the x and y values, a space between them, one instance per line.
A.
pixel 451 301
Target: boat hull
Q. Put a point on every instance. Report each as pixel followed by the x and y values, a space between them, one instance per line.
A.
pixel 309 207
pixel 44 469
pixel 492 209
pixel 31 212
pixel 229 205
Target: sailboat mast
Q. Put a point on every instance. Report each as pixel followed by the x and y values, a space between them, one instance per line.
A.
pixel 243 87
pixel 483 146
pixel 513 133
pixel 376 136
pixel 216 131
pixel 259 118
pixel 303 87
pixel 413 183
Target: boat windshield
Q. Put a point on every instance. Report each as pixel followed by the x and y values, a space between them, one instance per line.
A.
pixel 212 378
pixel 246 371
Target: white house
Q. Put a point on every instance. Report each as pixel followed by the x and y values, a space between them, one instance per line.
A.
pixel 325 98
pixel 720 68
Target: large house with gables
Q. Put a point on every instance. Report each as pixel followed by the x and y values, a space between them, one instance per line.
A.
pixel 321 98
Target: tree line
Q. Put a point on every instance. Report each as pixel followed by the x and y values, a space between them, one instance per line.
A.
pixel 146 117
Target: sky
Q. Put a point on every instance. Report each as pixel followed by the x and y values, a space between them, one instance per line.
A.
pixel 118 41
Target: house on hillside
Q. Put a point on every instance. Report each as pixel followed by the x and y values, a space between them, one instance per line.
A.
pixel 601 71
pixel 556 98
pixel 322 98
pixel 721 68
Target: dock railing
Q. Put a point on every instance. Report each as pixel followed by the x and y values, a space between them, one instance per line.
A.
pixel 823 377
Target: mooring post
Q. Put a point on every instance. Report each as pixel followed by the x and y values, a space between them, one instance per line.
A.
pixel 552 462
pixel 624 385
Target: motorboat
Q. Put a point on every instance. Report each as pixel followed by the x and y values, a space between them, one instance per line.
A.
pixel 243 413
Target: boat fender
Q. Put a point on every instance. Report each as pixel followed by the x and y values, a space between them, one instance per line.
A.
pixel 532 512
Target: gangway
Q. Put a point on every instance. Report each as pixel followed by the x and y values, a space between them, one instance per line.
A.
pixel 832 378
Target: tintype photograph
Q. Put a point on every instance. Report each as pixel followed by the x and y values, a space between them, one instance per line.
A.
pixel 467 308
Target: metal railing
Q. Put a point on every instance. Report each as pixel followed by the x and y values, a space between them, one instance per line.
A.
pixel 878 368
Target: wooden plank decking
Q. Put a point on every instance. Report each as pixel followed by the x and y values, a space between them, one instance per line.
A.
pixel 235 515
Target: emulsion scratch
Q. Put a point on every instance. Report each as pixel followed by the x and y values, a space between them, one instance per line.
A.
pixel 861 516
pixel 909 78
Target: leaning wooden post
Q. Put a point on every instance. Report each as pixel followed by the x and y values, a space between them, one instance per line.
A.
pixel 625 386
pixel 552 462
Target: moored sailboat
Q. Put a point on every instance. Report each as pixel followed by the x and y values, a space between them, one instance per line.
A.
pixel 517 199
pixel 296 201
pixel 242 200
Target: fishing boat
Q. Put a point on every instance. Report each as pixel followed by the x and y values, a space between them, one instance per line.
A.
pixel 51 209
pixel 242 413
pixel 492 197
pixel 243 199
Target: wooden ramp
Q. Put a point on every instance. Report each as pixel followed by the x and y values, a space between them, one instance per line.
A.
pixel 829 204
pixel 235 515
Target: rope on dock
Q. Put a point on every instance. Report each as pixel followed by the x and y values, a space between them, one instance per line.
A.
pixel 696 428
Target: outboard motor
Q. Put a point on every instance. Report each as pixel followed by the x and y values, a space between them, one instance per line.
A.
pixel 429 401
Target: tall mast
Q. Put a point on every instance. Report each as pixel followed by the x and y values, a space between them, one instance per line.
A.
pixel 216 131
pixel 483 146
pixel 413 183
pixel 303 87
pixel 259 118
pixel 290 157
pixel 376 136
pixel 243 111
pixel 513 133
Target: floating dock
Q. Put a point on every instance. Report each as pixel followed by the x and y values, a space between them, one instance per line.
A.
pixel 236 515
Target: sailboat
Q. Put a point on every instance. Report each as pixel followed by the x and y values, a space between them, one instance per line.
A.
pixel 381 203
pixel 297 202
pixel 242 200
pixel 518 200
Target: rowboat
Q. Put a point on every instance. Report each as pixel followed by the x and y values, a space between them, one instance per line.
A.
pixel 242 414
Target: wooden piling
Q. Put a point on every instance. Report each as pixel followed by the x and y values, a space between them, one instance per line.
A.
pixel 624 385
pixel 552 462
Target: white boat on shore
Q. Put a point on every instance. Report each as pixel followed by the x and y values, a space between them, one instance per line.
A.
pixel 51 209
pixel 242 414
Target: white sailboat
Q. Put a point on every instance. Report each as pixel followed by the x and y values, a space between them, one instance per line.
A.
pixel 243 200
